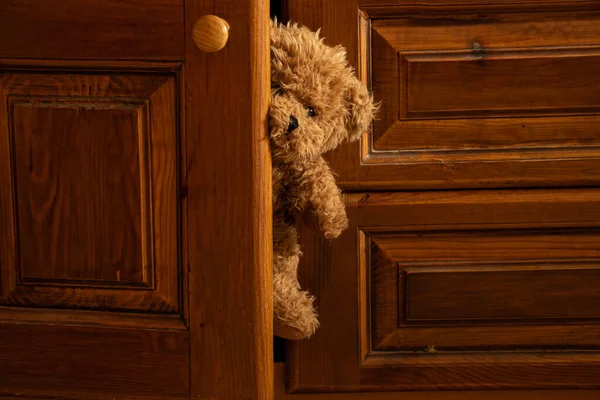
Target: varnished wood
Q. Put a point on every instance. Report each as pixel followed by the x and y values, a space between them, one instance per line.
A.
pixel 20 64
pixel 22 315
pixel 44 161
pixel 281 394
pixel 25 396
pixel 407 92
pixel 130 362
pixel 77 137
pixel 93 158
pixel 210 33
pixel 95 241
pixel 229 206
pixel 514 84
pixel 460 289
pixel 439 289
pixel 393 8
pixel 74 29
pixel 497 292
pixel 377 339
pixel 425 140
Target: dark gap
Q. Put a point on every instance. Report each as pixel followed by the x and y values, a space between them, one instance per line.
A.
pixel 278 343
pixel 276 9
pixel 279 349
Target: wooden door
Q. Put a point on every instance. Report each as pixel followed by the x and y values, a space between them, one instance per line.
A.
pixel 495 285
pixel 134 210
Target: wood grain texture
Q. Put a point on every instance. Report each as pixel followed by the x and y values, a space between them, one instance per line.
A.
pixel 493 31
pixel 377 333
pixel 383 8
pixel 520 82
pixel 428 135
pixel 25 396
pixel 229 205
pixel 522 291
pixel 489 139
pixel 458 343
pixel 500 76
pixel 210 33
pixel 73 216
pixel 22 315
pixel 93 362
pixel 282 394
pixel 538 292
pixel 76 137
pixel 94 162
pixel 110 30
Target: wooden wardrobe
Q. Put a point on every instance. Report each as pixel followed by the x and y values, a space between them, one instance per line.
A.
pixel 135 200
pixel 473 257
pixel 135 208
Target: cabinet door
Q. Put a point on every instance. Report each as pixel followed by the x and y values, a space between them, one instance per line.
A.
pixel 91 223
pixel 473 94
pixel 493 288
pixel 112 281
pixel 456 290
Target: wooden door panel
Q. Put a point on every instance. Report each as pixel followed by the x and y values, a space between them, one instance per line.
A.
pixel 94 363
pixel 455 290
pixel 499 292
pixel 77 29
pixel 91 159
pixel 519 82
pixel 282 394
pixel 427 80
pixel 90 233
pixel 472 94
pixel 461 289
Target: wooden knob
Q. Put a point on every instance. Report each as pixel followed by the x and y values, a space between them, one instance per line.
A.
pixel 210 33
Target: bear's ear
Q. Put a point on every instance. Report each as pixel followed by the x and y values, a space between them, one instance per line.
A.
pixel 360 109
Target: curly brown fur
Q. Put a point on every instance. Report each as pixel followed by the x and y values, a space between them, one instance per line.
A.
pixel 316 104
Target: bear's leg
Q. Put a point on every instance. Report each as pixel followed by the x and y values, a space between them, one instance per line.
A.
pixel 294 314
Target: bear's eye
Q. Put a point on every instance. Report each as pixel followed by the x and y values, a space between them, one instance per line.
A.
pixel 311 112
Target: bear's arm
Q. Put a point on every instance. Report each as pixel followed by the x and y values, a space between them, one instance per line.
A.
pixel 324 198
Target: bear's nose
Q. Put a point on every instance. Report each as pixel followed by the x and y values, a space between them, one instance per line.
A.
pixel 293 124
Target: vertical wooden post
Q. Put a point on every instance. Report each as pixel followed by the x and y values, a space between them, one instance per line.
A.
pixel 229 205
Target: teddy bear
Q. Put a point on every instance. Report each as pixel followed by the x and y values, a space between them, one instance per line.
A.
pixel 317 104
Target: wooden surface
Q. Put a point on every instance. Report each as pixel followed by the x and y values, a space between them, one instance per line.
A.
pixel 229 195
pixel 78 29
pixel 89 239
pixel 106 203
pixel 498 291
pixel 77 362
pixel 210 33
pixel 513 83
pixel 461 289
pixel 95 184
pixel 436 288
pixel 455 290
pixel 502 72
pixel 281 394
pixel 473 94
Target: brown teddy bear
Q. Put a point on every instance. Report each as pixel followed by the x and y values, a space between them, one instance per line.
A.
pixel 317 104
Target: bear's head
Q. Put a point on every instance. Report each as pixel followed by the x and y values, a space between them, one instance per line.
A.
pixel 317 102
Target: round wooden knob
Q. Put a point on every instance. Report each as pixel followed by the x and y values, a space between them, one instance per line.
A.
pixel 210 33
